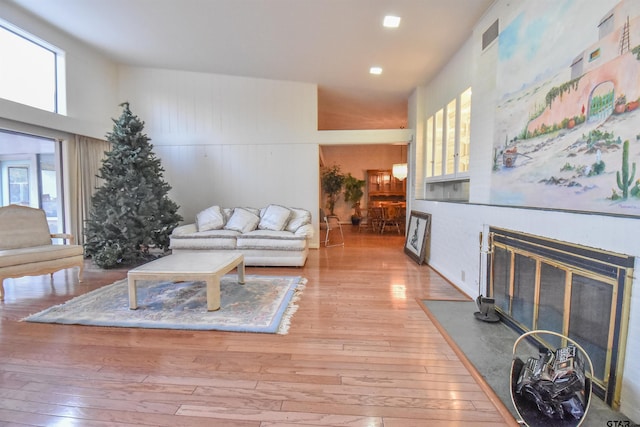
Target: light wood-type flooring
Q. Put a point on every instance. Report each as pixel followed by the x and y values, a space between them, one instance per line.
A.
pixel 361 352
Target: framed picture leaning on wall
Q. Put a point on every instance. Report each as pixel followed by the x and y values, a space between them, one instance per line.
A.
pixel 417 236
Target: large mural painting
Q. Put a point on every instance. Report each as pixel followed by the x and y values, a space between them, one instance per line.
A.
pixel 567 121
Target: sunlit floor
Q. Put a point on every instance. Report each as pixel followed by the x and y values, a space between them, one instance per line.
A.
pixel 360 352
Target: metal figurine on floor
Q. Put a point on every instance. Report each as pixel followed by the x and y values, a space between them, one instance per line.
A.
pixel 552 388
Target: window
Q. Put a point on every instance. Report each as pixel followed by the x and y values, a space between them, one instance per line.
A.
pixel 32 71
pixel 437 144
pixel 30 175
pixel 18 185
pixel 448 141
pixel 464 130
pixel 450 148
pixel 429 150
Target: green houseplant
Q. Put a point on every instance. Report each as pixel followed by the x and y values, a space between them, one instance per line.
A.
pixel 353 194
pixel 332 180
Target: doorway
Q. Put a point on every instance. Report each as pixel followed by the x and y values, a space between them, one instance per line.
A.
pixel 358 159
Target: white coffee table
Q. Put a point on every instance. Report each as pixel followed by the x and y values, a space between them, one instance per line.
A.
pixel 199 266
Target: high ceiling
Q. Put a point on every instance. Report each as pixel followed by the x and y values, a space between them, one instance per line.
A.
pixel 332 43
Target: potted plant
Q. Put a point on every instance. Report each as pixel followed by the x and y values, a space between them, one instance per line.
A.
pixel 621 104
pixel 332 180
pixel 353 194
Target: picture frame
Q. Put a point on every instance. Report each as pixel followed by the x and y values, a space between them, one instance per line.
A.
pixel 417 236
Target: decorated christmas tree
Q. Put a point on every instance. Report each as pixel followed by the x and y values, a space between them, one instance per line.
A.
pixel 131 212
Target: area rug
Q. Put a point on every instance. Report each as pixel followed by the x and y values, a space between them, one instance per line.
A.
pixel 263 304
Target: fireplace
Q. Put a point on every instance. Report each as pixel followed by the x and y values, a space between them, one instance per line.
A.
pixel 580 292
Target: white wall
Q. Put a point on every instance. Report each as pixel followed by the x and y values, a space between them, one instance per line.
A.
pixel 91 83
pixel 231 141
pixel 454 249
pixel 235 141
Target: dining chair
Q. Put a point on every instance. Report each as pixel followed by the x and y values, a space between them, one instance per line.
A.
pixel 367 222
pixel 332 224
pixel 376 218
pixel 390 218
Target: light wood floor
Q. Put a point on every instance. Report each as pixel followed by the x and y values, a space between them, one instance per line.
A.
pixel 361 351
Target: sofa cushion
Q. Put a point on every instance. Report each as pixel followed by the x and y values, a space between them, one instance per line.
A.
pixel 184 229
pixel 298 218
pixel 208 240
pixel 227 213
pixel 307 231
pixel 34 254
pixel 269 239
pixel 242 220
pixel 255 211
pixel 275 257
pixel 210 219
pixel 274 218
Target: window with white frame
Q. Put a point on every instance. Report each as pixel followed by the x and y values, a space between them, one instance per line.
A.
pixel 447 143
pixel 429 148
pixel 464 131
pixel 30 175
pixel 31 70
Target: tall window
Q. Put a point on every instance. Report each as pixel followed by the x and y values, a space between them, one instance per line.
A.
pixel 437 144
pixel 31 70
pixel 464 129
pixel 450 148
pixel 30 175
pixel 448 141
pixel 429 150
pixel 18 177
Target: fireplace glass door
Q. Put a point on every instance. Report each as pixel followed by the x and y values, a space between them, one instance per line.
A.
pixel 575 291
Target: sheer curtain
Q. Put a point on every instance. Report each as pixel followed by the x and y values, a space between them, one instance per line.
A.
pixel 83 159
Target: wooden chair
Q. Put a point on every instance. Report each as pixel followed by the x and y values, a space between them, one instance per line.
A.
pixel 390 217
pixel 401 217
pixel 369 221
pixel 375 218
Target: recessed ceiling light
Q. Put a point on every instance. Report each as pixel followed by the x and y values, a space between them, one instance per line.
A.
pixel 391 21
pixel 375 70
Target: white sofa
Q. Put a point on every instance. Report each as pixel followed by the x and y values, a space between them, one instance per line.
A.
pixel 26 248
pixel 272 236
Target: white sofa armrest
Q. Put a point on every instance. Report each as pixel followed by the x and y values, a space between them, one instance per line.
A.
pixel 185 229
pixel 306 231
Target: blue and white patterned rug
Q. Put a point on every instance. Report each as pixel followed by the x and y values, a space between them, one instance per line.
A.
pixel 263 304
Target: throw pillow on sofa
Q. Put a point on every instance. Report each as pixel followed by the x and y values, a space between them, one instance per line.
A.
pixel 274 218
pixel 227 212
pixel 242 220
pixel 299 217
pixel 210 219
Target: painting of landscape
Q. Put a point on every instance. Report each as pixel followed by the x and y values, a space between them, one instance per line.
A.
pixel 567 132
